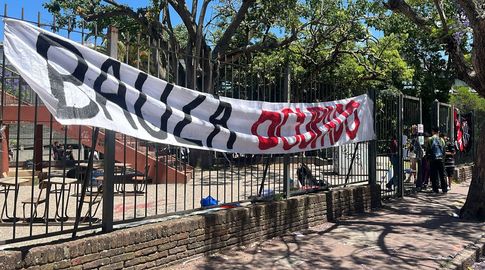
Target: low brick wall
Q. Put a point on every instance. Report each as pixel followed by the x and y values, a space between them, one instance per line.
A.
pixel 463 173
pixel 169 242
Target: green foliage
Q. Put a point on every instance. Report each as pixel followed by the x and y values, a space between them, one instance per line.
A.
pixel 467 100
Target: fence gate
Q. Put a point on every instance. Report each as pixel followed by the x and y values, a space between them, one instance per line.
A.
pixel 395 115
pixel 412 116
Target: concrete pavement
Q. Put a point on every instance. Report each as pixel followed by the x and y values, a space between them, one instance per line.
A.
pixel 417 232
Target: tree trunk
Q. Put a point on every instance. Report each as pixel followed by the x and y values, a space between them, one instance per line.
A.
pixel 474 207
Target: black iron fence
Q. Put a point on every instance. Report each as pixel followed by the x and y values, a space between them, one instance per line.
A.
pixel 45 163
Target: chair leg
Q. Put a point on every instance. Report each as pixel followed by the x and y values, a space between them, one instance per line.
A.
pixel 34 215
pixel 23 207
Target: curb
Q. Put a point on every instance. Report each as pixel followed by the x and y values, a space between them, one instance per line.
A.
pixel 467 257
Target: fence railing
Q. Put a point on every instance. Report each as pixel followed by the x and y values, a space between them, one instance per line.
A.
pixel 45 162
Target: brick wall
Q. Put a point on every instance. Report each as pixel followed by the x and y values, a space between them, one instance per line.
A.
pixel 170 242
pixel 463 173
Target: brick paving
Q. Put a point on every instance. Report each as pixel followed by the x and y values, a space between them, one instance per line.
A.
pixel 417 232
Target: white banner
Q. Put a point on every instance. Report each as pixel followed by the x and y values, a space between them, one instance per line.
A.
pixel 80 86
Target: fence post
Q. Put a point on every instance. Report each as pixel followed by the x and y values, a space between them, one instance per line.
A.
pixel 109 153
pixel 420 110
pixel 436 114
pixel 400 130
pixel 286 158
pixel 372 147
pixel 452 123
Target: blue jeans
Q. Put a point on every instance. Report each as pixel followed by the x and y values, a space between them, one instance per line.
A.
pixel 395 164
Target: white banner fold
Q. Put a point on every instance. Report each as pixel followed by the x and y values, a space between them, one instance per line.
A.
pixel 80 86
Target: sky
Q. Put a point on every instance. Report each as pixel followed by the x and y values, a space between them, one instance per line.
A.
pixel 33 7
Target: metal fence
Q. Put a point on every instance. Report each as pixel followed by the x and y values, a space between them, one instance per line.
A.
pixel 45 162
pixel 445 117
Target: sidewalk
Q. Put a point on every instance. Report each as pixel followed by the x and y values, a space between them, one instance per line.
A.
pixel 418 232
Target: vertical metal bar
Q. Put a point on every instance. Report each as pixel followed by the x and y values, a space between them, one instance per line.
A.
pixel 420 111
pixel 86 181
pixel 437 108
pixel 400 146
pixel 3 73
pixel 145 177
pixel 136 168
pixel 451 122
pixel 17 158
pixel 2 101
pixel 156 176
pixel 47 199
pixel 109 154
pixel 185 178
pixel 286 158
pixel 176 175
pixel 372 146
pixel 34 163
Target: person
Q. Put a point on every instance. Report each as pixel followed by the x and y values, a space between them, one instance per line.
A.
pixel 436 146
pixel 393 155
pixel 69 154
pixel 55 150
pixel 424 169
pixel 415 152
pixel 449 160
pixel 10 154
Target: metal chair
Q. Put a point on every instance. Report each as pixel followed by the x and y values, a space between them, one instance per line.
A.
pixel 40 199
pixel 140 181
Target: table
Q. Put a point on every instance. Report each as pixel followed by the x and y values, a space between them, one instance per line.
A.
pixel 59 192
pixel 7 183
pixel 121 164
pixel 120 179
pixel 95 165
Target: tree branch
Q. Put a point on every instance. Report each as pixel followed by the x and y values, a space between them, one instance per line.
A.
pixel 223 42
pixel 441 13
pixel 200 27
pixel 110 13
pixel 166 19
pixel 187 19
pixel 464 70
pixel 474 12
pixel 402 7
pixel 263 46
pixel 194 8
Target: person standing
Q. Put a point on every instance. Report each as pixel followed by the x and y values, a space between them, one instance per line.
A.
pixel 394 157
pixel 55 150
pixel 435 146
pixel 449 160
pixel 424 170
pixel 415 153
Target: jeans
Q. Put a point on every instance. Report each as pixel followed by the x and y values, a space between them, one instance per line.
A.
pixel 438 174
pixel 395 164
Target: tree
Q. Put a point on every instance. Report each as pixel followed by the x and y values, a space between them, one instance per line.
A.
pixel 466 100
pixel 240 27
pixel 460 26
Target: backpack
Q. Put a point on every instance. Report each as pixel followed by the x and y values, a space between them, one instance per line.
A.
pixel 436 149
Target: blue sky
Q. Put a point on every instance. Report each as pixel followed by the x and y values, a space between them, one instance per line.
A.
pixel 33 7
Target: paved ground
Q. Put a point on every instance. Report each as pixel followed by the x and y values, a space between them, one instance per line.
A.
pixel 418 232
